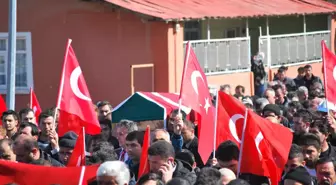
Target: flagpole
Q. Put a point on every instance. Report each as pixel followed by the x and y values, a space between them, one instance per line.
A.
pixel 215 128
pixel 81 177
pixel 242 143
pixel 62 80
pixel 31 99
pixel 325 75
pixel 185 66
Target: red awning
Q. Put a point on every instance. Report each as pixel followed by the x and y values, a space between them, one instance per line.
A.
pixel 198 9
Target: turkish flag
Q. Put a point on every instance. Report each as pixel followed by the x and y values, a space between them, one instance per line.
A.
pixel 144 165
pixel 329 65
pixel 3 107
pixel 265 147
pixel 74 101
pixel 195 94
pixel 230 119
pixel 34 104
pixel 78 154
pixel 27 174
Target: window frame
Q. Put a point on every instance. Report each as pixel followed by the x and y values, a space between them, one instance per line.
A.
pixel 29 62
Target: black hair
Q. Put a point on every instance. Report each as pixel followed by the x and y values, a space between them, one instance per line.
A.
pixel 241 87
pixel 295 104
pixel 305 115
pixel 28 144
pixel 34 131
pixel 150 176
pixel 300 69
pixel 178 181
pixel 25 111
pixel 47 113
pixel 161 148
pixel 324 160
pixel 189 124
pixel 41 162
pixel 208 176
pixel 321 125
pixel 103 103
pixel 103 152
pixel 309 139
pixel 295 152
pixel 10 112
pixel 308 66
pixel 227 151
pixel 176 111
pixel 136 135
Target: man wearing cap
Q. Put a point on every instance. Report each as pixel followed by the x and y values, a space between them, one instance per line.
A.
pixel 298 176
pixel 272 112
pixel 67 144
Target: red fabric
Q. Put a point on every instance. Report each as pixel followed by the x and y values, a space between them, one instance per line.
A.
pixel 144 165
pixel 78 154
pixel 34 104
pixel 3 107
pixel 74 100
pixel 27 174
pixel 329 64
pixel 230 119
pixel 182 9
pixel 266 147
pixel 195 94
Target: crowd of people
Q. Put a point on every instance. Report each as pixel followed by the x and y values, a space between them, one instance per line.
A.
pixel 173 157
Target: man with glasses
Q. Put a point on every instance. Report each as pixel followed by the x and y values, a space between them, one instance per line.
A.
pixel 123 128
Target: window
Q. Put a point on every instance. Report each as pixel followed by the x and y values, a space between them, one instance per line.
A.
pixel 192 30
pixel 232 33
pixel 24 71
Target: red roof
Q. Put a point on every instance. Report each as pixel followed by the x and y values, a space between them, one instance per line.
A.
pixel 198 9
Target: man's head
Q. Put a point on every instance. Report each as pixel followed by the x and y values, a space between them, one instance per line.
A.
pixel 188 131
pixel 240 90
pixel 227 155
pixel 208 176
pixel 11 120
pixel 226 88
pixel 160 134
pixel 279 93
pixel 308 70
pixel 159 154
pixel 102 153
pixel 123 128
pixel 282 73
pixel 26 149
pixel 6 150
pixel 29 129
pixel 134 141
pixel 325 171
pixel 260 104
pixel 172 119
pixel 106 128
pixel 298 176
pixel 302 120
pixel 311 149
pixel 301 72
pixel 320 129
pixel 303 93
pixel 27 115
pixel 293 107
pixel 270 95
pixel 67 144
pixel 105 109
pixel 46 122
pixel 295 158
pixel 227 175
pixel 113 173
pixel 272 112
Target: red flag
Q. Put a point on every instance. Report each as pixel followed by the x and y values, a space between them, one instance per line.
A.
pixel 265 147
pixel 3 107
pixel 195 94
pixel 78 154
pixel 74 101
pixel 144 165
pixel 230 119
pixel 34 104
pixel 27 174
pixel 329 65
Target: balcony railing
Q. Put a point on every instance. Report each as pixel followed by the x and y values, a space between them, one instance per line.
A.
pixel 218 56
pixel 293 48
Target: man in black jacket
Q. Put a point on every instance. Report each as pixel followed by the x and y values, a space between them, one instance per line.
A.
pixel 161 157
pixel 27 150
